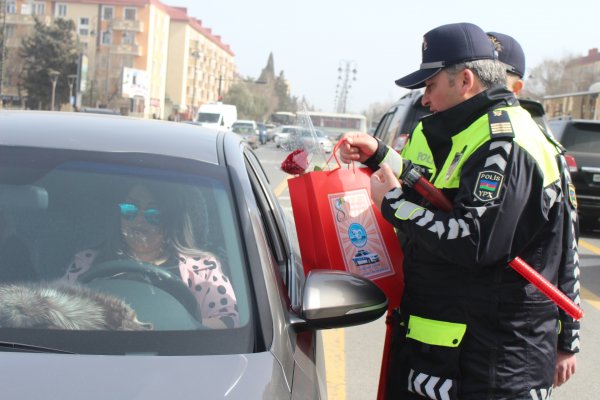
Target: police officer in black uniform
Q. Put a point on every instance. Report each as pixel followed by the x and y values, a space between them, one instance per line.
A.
pixel 470 327
pixel 511 54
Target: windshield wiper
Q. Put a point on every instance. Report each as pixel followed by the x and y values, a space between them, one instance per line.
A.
pixel 12 346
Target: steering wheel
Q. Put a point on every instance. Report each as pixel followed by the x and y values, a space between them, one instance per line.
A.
pixel 155 276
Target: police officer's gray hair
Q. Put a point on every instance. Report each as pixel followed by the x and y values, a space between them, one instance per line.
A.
pixel 490 72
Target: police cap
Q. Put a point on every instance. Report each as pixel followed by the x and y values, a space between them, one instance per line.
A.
pixel 447 45
pixel 510 53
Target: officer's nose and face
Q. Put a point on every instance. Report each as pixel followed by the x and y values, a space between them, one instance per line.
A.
pixel 442 92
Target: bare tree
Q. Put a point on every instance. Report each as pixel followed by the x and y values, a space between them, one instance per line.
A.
pixel 548 78
pixel 567 75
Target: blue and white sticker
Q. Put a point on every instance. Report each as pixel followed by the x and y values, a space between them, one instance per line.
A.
pixel 357 235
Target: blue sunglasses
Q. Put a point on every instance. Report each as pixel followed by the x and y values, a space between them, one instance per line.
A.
pixel 130 211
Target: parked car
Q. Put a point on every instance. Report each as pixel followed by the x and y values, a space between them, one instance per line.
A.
pixel 247 133
pixel 245 124
pixel 401 119
pixel 282 132
pixel 291 137
pixel 60 178
pixel 324 141
pixel 270 131
pixel 581 138
pixel 308 140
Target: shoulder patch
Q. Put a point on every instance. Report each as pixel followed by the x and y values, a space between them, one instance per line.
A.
pixel 572 196
pixel 500 126
pixel 488 185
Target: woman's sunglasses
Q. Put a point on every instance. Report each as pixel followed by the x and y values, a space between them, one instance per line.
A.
pixel 130 211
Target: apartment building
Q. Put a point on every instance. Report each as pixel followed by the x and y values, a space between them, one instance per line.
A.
pixel 123 44
pixel 17 16
pixel 201 67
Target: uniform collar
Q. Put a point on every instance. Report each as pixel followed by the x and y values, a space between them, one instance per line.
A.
pixel 448 123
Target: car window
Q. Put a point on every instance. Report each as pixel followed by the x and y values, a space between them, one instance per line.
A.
pixel 382 126
pixel 580 136
pixel 278 235
pixel 63 211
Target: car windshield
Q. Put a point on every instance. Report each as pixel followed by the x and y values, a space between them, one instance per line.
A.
pixel 243 124
pixel 208 117
pixel 244 129
pixel 75 218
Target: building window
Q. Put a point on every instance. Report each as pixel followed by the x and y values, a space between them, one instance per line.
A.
pixel 38 8
pixel 130 14
pixel 106 37
pixel 11 7
pixel 108 13
pixel 128 38
pixel 61 10
pixel 84 26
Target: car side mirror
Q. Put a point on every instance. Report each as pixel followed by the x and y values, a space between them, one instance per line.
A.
pixel 335 299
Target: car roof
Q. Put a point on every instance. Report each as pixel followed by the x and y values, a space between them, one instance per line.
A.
pixel 108 133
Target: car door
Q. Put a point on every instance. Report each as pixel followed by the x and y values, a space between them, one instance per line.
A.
pixel 308 381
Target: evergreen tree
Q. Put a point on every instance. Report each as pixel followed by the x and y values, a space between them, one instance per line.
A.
pixel 49 48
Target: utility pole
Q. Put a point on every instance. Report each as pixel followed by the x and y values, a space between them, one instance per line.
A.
pixel 196 54
pixel 346 75
pixel 2 50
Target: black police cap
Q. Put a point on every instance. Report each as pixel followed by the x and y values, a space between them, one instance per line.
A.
pixel 510 53
pixel 447 45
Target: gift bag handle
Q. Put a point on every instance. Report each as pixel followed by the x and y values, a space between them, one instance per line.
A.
pixel 334 154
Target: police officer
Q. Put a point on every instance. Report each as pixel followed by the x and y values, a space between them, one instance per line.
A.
pixel 470 327
pixel 511 54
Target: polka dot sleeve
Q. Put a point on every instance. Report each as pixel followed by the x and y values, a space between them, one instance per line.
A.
pixel 211 287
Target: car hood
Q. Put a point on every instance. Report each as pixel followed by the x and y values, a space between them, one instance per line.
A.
pixel 58 376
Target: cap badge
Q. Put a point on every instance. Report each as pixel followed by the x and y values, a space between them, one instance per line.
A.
pixel 424 44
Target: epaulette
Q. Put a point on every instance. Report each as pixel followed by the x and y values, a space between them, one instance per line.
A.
pixel 500 126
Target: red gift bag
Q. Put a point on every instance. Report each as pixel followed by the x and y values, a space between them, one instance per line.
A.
pixel 339 227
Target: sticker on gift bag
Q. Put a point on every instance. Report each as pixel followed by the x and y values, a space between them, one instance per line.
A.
pixel 360 239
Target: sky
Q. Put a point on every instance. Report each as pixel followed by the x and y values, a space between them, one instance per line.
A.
pixel 311 39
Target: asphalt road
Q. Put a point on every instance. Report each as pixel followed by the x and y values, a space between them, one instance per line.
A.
pixel 353 355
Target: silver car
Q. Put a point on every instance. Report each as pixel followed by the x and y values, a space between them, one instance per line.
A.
pixel 60 175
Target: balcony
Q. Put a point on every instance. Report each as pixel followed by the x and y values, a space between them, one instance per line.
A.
pixel 127 25
pixel 26 19
pixel 126 49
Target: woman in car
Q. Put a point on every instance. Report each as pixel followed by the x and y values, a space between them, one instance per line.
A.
pixel 155 230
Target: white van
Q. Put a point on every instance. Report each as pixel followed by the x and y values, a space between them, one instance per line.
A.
pixel 216 115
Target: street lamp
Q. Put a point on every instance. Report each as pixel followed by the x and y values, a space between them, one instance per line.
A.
pixel 53 78
pixel 346 75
